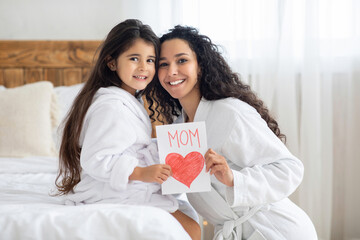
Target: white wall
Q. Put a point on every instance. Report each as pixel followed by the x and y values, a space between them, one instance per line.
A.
pixel 76 19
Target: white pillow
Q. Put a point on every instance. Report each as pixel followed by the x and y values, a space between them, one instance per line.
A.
pixel 65 97
pixel 28 115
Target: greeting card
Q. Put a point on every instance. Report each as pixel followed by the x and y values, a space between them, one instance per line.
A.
pixel 183 146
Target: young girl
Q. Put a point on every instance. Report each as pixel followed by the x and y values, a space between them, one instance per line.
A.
pixel 252 171
pixel 106 153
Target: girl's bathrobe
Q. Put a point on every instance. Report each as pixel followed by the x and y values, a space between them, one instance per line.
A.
pixel 265 174
pixel 116 138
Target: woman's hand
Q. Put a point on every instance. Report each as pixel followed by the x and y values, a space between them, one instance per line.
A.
pixel 217 165
pixel 158 173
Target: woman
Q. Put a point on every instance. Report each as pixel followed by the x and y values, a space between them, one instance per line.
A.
pixel 252 171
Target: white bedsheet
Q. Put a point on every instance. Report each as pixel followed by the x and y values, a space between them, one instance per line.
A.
pixel 27 211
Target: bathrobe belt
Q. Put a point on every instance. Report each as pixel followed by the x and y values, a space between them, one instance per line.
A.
pixel 233 228
pixel 228 224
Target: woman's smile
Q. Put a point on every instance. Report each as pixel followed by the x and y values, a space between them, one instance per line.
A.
pixel 176 82
pixel 178 69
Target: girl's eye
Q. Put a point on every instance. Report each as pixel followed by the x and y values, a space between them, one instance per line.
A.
pixel 163 64
pixel 134 59
pixel 182 60
pixel 151 60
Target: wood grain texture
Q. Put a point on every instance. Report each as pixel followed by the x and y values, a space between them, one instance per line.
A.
pixel 33 75
pixel 50 54
pixel 1 77
pixel 61 62
pixel 13 77
pixel 72 76
pixel 54 75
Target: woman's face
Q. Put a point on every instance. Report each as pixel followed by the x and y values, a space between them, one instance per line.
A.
pixel 178 70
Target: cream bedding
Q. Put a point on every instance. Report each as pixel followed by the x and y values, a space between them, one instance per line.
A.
pixel 27 211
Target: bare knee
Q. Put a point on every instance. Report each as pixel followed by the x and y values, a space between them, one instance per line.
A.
pixel 190 225
pixel 193 229
pixel 195 232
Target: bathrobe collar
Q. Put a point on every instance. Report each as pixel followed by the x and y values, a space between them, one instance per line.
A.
pixel 200 114
pixel 136 105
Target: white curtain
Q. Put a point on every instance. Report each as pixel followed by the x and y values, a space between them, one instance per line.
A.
pixel 302 57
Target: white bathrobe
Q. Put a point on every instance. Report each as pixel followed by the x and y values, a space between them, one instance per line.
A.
pixel 115 138
pixel 265 174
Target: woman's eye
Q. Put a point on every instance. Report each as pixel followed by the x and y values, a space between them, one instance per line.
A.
pixel 163 64
pixel 182 60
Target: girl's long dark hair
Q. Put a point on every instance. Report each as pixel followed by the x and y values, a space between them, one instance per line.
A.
pixel 217 81
pixel 119 39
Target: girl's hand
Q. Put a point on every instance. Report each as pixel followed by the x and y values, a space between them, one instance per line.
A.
pixel 217 165
pixel 158 173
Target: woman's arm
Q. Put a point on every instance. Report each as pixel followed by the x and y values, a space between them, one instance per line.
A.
pixel 264 171
pixel 218 166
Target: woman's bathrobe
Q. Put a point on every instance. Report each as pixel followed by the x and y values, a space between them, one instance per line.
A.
pixel 116 138
pixel 265 174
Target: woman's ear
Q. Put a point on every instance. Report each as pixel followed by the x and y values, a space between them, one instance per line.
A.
pixel 111 63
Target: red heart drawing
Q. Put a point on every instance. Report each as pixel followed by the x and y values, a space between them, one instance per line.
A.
pixel 185 170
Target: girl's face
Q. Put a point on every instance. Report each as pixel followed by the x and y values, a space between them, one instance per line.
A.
pixel 136 66
pixel 178 70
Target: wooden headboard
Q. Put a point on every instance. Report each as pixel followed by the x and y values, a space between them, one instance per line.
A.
pixel 63 63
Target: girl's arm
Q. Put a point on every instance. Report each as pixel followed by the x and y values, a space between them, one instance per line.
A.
pixel 107 136
pixel 158 173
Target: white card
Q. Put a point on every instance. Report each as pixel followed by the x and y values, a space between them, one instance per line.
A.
pixel 183 147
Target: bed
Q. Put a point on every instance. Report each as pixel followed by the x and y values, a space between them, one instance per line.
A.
pixel 38 82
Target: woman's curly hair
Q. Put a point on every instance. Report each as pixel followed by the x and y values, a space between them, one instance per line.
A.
pixel 217 80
